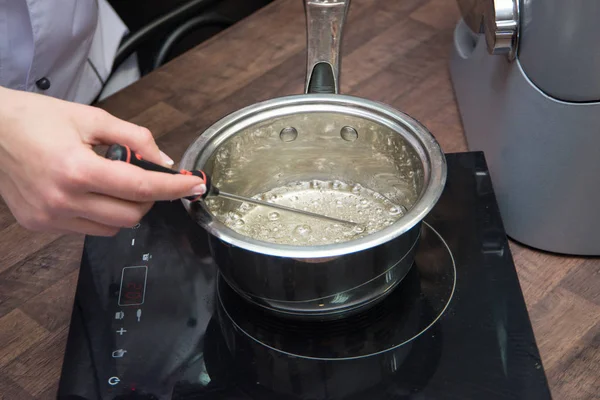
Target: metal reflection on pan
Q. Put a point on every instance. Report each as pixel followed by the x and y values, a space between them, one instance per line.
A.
pixel 394 322
pixel 381 285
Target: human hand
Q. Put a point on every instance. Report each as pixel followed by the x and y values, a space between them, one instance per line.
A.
pixel 52 180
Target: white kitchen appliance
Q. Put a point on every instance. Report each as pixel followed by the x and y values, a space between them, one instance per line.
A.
pixel 527 79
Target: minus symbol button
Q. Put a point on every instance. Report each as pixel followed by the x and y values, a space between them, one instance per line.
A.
pixel 132 242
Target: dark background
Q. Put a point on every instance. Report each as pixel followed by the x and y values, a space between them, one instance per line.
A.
pixel 138 13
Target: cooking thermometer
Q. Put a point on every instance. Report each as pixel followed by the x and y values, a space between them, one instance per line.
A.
pixel 124 153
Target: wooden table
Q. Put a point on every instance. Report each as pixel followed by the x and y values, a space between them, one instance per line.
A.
pixel 394 51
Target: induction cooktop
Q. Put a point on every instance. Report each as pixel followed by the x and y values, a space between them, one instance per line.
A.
pixel 152 319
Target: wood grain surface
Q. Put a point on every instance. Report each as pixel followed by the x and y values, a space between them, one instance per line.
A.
pixel 395 52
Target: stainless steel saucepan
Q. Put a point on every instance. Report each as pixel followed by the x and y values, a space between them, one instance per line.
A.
pixel 320 135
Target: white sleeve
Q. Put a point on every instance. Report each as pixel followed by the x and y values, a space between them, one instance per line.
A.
pixel 16 44
pixel 62 48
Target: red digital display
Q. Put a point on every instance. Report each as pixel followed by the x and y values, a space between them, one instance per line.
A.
pixel 133 286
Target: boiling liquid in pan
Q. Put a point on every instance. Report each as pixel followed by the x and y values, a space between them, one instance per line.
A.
pixel 354 203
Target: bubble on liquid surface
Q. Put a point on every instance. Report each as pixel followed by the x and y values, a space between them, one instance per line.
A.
pixel 335 198
pixel 358 229
pixel 273 216
pixel 302 230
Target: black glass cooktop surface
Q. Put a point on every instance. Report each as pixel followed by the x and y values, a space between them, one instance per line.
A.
pixel 153 320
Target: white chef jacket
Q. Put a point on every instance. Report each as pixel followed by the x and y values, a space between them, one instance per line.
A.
pixel 62 48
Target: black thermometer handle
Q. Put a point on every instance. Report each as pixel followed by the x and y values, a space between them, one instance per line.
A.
pixel 123 153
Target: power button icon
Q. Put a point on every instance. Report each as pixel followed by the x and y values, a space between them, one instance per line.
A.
pixel 113 380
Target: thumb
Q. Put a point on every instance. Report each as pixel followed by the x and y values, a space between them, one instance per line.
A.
pixel 108 130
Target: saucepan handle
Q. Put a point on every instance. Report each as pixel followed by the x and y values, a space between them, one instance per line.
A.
pixel 324 22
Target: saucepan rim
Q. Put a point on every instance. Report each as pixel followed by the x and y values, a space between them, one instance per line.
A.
pixel 419 137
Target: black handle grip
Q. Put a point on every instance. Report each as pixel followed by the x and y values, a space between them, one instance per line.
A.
pixel 322 79
pixel 124 153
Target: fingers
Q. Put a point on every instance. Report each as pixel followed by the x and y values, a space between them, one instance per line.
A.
pixel 111 211
pixel 103 128
pixel 128 182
